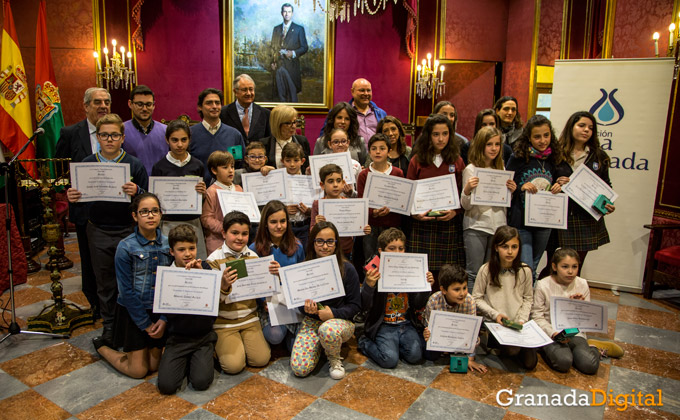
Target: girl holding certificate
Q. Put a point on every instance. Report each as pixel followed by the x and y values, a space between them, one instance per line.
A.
pixel 435 154
pixel 582 147
pixel 326 324
pixel 480 222
pixel 275 237
pixel 536 160
pixel 136 328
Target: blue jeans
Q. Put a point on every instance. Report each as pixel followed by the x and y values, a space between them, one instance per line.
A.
pixel 393 341
pixel 534 242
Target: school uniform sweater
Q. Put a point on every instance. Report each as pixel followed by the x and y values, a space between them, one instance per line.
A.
pixel 513 298
pixel 203 143
pixel 391 219
pixel 165 167
pixel 482 218
pixel 548 287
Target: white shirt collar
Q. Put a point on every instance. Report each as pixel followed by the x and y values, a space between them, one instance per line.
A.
pixel 388 171
pixel 225 186
pixel 178 162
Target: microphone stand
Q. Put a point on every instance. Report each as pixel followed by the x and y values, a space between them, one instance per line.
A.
pixel 5 169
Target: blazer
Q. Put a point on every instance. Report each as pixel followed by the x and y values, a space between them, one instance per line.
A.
pixel 259 123
pixel 295 40
pixel 74 143
pixel 270 146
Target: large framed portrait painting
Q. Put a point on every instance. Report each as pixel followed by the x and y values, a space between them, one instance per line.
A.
pixel 286 48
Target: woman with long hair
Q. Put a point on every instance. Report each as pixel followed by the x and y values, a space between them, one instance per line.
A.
pixel 342 115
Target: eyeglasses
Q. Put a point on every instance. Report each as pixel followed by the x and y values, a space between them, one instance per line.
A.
pixel 254 157
pixel 289 123
pixel 328 242
pixel 339 142
pixel 144 104
pixel 145 212
pixel 112 136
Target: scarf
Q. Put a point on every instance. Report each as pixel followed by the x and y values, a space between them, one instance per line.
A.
pixel 539 155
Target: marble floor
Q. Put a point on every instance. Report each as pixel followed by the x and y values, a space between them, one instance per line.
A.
pixel 43 378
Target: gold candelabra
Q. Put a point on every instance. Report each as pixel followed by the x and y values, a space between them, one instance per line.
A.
pixel 428 83
pixel 115 74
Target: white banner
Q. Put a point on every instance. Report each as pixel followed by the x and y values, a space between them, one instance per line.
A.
pixel 629 98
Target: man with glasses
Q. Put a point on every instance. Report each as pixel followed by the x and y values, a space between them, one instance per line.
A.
pixel 76 142
pixel 145 137
pixel 109 222
pixel 250 119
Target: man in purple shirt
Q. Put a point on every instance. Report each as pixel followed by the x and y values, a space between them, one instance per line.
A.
pixel 144 137
pixel 368 113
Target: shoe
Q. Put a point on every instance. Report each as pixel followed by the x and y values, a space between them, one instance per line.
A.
pixel 336 368
pixel 607 348
pixel 98 342
pixel 360 318
pixel 107 336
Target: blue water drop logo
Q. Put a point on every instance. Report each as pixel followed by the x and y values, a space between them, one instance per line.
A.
pixel 607 109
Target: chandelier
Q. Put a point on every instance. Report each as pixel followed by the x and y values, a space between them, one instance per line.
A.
pixel 115 74
pixel 341 9
pixel 428 83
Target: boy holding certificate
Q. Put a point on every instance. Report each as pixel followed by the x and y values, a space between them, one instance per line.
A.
pixel 190 338
pixel 239 334
pixel 256 161
pixel 293 158
pixel 390 331
pixel 453 296
pixel 379 219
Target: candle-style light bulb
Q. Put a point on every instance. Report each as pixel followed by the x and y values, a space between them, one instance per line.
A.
pixel 96 58
pixel 122 51
pixel 656 43
pixel 671 32
pixel 429 57
pixel 113 42
pixel 441 73
pixel 129 56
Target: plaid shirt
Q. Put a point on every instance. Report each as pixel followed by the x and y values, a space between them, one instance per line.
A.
pixel 437 302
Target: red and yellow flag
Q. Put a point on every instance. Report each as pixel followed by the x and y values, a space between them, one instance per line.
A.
pixel 15 110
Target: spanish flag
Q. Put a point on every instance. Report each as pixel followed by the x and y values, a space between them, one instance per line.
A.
pixel 48 113
pixel 15 110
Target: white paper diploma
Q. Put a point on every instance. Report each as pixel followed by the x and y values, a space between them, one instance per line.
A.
pixel 343 160
pixel 266 188
pixel 437 193
pixel 545 209
pixel 100 181
pixel 389 191
pixel 492 189
pixel 453 332
pixel 259 282
pixel 241 201
pixel 585 186
pixel 573 313
pixel 301 189
pixel 177 194
pixel 317 279
pixel 279 314
pixel 403 272
pixel 349 215
pixel 531 335
pixel 191 292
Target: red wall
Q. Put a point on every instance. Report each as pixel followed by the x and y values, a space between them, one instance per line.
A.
pixel 518 53
pixel 635 22
pixel 550 33
pixel 476 30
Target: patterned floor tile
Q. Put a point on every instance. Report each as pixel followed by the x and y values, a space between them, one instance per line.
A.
pixel 260 397
pixel 201 414
pixel 316 384
pixel 645 359
pixel 376 394
pixel 573 378
pixel 649 318
pixel 509 415
pixel 29 295
pixel 640 335
pixel 10 385
pixel 612 308
pixel 422 374
pixel 603 294
pixel 435 404
pixel 477 386
pixel 20 344
pixel 221 383
pixel 140 403
pixel 623 381
pixel 629 299
pixel 29 405
pixel 322 409
pixel 46 364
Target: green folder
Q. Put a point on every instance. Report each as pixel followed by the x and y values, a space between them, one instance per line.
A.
pixel 238 265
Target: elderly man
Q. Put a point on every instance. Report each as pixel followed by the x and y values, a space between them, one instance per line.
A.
pixel 76 142
pixel 211 134
pixel 250 119
pixel 144 137
pixel 289 43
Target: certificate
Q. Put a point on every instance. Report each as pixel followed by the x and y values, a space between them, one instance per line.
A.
pixel 177 194
pixel 545 209
pixel 190 292
pixel 279 314
pixel 349 215
pixel 492 189
pixel 585 186
pixel 438 193
pixel 240 201
pixel 389 191
pixel 100 181
pixel 259 282
pixel 402 272
pixel 266 188
pixel 574 313
pixel 453 332
pixel 343 160
pixel 530 336
pixel 317 279
pixel 301 189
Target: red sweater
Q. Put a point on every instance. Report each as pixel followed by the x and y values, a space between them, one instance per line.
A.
pixel 391 219
pixel 418 171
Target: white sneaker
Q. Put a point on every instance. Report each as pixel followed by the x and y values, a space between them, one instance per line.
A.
pixel 336 369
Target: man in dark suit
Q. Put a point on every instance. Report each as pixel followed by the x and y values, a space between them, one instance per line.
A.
pixel 76 142
pixel 250 119
pixel 289 43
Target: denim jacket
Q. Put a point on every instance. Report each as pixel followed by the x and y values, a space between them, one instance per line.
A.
pixel 136 261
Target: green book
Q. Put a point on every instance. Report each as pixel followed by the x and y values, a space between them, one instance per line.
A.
pixel 240 267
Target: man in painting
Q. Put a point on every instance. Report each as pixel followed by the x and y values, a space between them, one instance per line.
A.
pixel 289 43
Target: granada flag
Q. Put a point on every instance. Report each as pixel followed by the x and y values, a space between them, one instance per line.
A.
pixel 48 113
pixel 15 110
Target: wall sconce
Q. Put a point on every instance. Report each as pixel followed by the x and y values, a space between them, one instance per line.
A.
pixel 428 84
pixel 115 73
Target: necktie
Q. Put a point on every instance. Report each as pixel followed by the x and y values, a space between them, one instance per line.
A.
pixel 285 32
pixel 245 122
